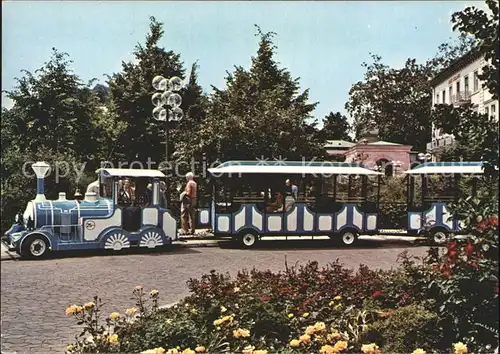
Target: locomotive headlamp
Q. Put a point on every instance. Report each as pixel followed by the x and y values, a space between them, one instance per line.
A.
pixel 41 168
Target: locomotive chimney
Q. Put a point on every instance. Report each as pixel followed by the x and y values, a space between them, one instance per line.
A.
pixel 41 168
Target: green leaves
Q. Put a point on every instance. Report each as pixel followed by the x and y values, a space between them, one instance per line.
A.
pixel 483 26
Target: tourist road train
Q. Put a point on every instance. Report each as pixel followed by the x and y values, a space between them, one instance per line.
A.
pixel 247 202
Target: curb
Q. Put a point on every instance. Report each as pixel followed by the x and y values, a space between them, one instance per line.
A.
pixel 168 305
pixel 184 244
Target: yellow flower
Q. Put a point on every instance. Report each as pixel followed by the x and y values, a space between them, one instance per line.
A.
pixel 131 311
pixel 248 349
pixel 290 315
pixel 195 311
pixel 334 336
pixel 294 343
pixel 173 351
pixel 327 349
pixel 310 330
pixel 241 333
pixel 218 322
pixel 69 348
pixel 236 289
pixel 188 351
pixel 331 303
pixel 89 305
pixel 306 314
pixel 113 339
pixel 338 307
pixel 370 348
pixel 200 349
pixel 418 351
pixel 73 309
pixel 340 345
pixel 138 288
pixel 159 350
pixel 260 351
pixel 169 321
pixel 154 292
pixel 460 348
pixel 114 316
pixel 337 298
pixel 223 309
pixel 305 338
pixel 319 326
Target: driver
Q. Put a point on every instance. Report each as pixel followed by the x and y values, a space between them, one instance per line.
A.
pixel 127 193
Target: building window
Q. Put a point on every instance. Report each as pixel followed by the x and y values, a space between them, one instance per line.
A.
pixel 450 93
pixel 476 81
pixel 466 85
pixel 444 96
pixel 437 98
pixel 487 111
pixel 458 88
pixel 493 111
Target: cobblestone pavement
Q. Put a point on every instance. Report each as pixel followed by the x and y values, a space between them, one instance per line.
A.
pixel 35 294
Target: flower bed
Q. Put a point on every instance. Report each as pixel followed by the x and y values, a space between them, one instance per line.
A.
pixel 310 309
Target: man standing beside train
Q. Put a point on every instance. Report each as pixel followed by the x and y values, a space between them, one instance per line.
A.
pixel 190 207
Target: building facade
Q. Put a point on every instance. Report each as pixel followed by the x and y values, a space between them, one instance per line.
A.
pixel 388 157
pixel 457 85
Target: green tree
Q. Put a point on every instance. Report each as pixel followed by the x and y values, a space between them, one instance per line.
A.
pixel 260 113
pixel 54 118
pixel 336 127
pixel 476 135
pixel 131 91
pixel 395 101
pixel 483 26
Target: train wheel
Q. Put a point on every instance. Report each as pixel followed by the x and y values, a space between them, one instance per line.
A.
pixel 349 238
pixel 35 247
pixel 248 239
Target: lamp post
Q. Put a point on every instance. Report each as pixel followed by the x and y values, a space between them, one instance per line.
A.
pixel 424 157
pixel 166 102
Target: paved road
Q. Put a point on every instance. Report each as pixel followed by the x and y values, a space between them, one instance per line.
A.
pixel 35 294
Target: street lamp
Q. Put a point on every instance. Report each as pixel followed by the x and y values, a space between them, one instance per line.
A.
pixel 167 103
pixel 424 157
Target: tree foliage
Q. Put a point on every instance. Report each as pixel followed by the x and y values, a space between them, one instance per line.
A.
pixel 476 135
pixel 55 118
pixel 261 113
pixel 397 102
pixel 483 26
pixel 335 127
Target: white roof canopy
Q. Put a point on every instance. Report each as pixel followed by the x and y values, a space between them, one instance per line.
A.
pixel 447 168
pixel 130 172
pixel 292 167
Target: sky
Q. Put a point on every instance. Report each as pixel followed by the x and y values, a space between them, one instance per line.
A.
pixel 323 43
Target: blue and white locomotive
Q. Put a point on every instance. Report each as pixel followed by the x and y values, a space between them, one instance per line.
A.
pixel 96 222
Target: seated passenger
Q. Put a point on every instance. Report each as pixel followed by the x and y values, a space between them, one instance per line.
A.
pixel 277 205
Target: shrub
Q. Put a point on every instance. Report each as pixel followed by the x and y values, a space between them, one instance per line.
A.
pixel 407 327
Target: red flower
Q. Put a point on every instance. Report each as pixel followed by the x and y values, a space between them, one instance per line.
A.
pixel 452 245
pixel 265 298
pixel 469 249
pixel 474 265
pixel 451 253
pixel 377 293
